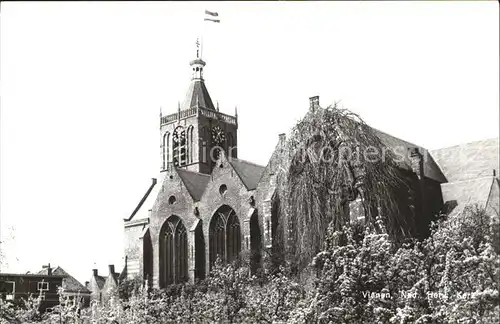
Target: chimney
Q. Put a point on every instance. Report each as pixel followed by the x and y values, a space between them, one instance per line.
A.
pixel 417 162
pixel 282 138
pixel 95 272
pixel 49 269
pixel 87 284
pixel 111 269
pixel 313 103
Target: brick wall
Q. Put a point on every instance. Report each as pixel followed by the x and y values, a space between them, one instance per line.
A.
pixel 237 197
pixel 133 246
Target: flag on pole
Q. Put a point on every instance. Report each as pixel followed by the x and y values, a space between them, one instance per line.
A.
pixel 211 16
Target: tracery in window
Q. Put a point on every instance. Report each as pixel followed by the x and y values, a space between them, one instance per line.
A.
pixel 224 235
pixel 173 252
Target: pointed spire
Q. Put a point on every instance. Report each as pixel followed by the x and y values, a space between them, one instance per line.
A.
pixel 236 111
pixel 217 105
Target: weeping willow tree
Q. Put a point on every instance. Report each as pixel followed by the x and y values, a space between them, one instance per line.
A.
pixel 331 160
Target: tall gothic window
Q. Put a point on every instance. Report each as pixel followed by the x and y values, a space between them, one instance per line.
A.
pixel 224 235
pixel 173 252
pixel 190 144
pixel 179 146
pixel 165 150
pixel 204 144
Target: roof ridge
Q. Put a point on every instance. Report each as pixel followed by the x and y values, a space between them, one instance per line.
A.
pixel 378 130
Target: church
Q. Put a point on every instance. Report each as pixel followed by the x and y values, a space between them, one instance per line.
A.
pixel 207 204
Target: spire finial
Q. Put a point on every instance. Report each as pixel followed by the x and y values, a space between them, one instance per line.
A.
pixel 236 111
pixel 178 105
pixel 198 47
pixel 217 105
pixel 160 112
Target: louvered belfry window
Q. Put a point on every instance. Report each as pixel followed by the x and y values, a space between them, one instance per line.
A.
pixel 224 235
pixel 174 252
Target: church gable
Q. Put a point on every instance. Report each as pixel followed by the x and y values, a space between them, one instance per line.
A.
pixel 173 195
pixel 266 185
pixel 224 173
pixel 225 187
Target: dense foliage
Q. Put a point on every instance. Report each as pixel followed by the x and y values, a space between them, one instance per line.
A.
pixel 452 277
pixel 330 159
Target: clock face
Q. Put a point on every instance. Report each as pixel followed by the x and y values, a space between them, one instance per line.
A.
pixel 218 135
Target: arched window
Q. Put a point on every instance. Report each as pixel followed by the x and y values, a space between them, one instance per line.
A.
pixel 190 144
pixel 165 150
pixel 217 238
pixel 224 235
pixel 173 252
pixel 203 145
pixel 179 146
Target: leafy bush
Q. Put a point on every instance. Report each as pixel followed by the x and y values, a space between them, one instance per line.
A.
pixel 359 277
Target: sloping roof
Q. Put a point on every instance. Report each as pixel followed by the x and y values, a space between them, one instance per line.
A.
pixel 195 182
pixel 467 192
pixel 399 146
pixel 248 172
pixel 482 192
pixel 123 274
pixel 469 161
pixel 197 95
pixel 69 283
pixel 147 201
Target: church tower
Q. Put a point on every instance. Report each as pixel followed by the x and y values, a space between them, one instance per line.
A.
pixel 192 137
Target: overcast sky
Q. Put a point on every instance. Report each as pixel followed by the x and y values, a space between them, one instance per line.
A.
pixel 82 85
